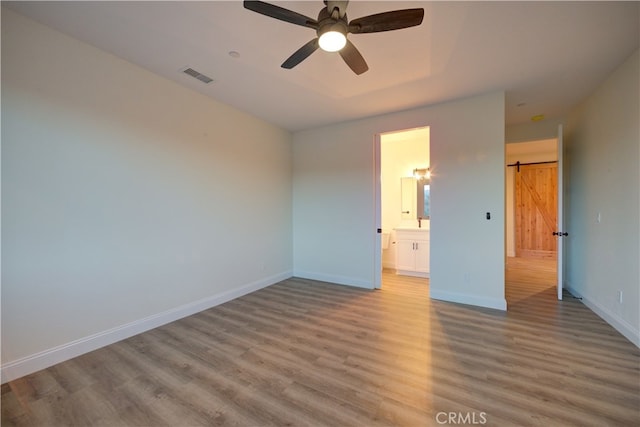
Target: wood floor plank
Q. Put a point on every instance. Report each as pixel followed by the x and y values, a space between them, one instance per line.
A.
pixel 309 353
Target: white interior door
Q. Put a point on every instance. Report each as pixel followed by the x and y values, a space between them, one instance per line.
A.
pixel 377 245
pixel 560 233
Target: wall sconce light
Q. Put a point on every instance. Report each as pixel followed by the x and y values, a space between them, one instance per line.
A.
pixel 424 173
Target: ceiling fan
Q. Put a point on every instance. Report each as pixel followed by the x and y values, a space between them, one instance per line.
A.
pixel 332 27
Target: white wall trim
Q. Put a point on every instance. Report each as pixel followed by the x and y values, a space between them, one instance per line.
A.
pixel 44 359
pixel 339 280
pixel 619 324
pixel 495 303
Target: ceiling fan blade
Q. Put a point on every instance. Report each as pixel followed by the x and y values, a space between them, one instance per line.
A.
pixel 387 21
pixel 353 58
pixel 281 13
pixel 301 54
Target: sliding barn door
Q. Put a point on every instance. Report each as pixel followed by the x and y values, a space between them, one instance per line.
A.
pixel 536 197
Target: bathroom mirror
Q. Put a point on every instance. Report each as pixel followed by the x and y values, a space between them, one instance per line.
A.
pixel 423 198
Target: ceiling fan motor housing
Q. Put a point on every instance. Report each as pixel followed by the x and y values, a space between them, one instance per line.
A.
pixel 328 23
pixel 337 5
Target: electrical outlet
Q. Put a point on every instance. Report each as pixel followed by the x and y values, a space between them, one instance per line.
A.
pixel 599 217
pixel 620 297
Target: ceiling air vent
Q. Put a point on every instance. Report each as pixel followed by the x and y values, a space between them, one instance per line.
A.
pixel 193 73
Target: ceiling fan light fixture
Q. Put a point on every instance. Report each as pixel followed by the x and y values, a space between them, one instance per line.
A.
pixel 332 27
pixel 332 40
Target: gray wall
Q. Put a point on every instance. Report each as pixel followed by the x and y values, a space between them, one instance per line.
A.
pixel 534 131
pixel 127 200
pixel 334 200
pixel 602 170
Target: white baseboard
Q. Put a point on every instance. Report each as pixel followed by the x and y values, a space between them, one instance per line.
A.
pixel 339 280
pixel 44 359
pixel 413 273
pixel 495 303
pixel 629 331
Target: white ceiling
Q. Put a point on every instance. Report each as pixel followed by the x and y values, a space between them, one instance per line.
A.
pixel 547 55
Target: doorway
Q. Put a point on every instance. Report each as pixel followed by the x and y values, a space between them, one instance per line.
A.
pixel 531 217
pixel 400 156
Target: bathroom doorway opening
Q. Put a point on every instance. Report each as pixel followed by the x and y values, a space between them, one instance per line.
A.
pixel 402 168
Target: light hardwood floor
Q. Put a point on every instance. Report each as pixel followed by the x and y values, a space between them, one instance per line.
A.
pixel 306 353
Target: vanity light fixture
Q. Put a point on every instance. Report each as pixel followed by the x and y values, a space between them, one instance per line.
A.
pixel 424 173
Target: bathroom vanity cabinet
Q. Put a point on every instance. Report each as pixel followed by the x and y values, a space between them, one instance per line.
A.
pixel 412 257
